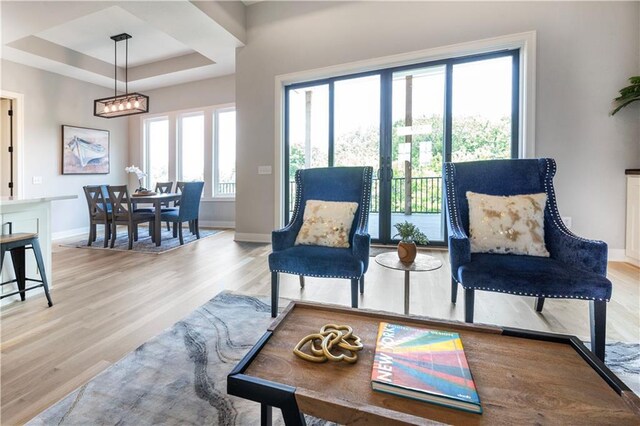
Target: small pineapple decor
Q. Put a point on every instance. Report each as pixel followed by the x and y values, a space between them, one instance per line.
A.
pixel 409 235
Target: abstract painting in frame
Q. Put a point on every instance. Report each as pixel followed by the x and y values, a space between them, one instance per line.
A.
pixel 84 151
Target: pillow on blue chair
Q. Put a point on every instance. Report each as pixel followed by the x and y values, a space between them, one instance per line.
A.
pixel 507 224
pixel 327 223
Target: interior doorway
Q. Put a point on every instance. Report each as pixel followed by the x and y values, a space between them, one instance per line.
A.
pixel 7 140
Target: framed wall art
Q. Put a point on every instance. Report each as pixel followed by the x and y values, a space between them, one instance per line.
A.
pixel 84 151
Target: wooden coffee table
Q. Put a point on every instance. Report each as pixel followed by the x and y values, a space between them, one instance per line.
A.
pixel 522 377
pixel 422 263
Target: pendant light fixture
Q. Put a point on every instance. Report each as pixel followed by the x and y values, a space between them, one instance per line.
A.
pixel 121 105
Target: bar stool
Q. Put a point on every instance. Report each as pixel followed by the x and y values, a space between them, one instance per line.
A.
pixel 16 244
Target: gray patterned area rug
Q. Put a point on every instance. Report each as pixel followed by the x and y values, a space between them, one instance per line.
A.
pixel 144 243
pixel 177 378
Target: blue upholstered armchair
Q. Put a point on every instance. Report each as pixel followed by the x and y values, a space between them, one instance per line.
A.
pixel 326 184
pixel 575 269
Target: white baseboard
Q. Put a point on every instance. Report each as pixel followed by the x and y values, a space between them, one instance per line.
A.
pixel 216 224
pixel 616 255
pixel 619 255
pixel 69 233
pixel 252 238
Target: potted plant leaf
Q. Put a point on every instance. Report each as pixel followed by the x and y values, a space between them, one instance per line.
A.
pixel 628 94
pixel 409 235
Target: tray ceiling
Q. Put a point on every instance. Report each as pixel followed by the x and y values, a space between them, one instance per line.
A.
pixel 172 42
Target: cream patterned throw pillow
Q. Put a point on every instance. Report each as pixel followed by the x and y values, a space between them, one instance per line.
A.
pixel 507 224
pixel 326 223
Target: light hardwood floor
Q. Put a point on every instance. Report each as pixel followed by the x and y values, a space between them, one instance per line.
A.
pixel 106 303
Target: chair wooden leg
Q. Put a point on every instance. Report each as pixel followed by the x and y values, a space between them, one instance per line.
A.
pixel 362 284
pixel 180 234
pixel 135 232
pixel 196 228
pixel 168 226
pixel 354 293
pixel 90 239
pixel 275 283
pixel 539 304
pixel 152 231
pixel 114 233
pixel 454 290
pixel 175 229
pixel 301 281
pixel 132 235
pixel 598 322
pixel 469 296
pixel 107 234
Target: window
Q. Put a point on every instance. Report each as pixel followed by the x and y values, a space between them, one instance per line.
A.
pixel 194 145
pixel 157 138
pixel 405 122
pixel 225 155
pixel 191 147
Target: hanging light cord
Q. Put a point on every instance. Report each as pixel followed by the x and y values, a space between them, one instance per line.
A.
pixel 126 67
pixel 115 68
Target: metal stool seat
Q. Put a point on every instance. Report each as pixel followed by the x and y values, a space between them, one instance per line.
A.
pixel 16 244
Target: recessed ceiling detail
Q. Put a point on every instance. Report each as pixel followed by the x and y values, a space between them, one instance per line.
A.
pixel 173 42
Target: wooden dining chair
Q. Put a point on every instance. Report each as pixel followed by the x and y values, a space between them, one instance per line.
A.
pixel 99 212
pixel 165 188
pixel 124 214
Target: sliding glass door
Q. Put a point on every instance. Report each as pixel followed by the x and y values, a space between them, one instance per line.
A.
pixel 405 122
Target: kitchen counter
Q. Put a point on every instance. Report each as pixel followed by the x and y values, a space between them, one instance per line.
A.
pixel 6 201
pixel 28 214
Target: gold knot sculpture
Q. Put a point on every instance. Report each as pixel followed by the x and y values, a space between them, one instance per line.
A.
pixel 331 339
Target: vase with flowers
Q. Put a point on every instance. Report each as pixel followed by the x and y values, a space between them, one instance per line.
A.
pixel 409 235
pixel 140 175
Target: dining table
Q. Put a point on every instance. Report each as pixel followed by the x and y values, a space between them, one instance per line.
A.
pixel 157 200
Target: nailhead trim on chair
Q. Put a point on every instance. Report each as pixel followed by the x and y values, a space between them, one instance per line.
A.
pixel 316 275
pixel 532 294
pixel 366 199
pixel 451 197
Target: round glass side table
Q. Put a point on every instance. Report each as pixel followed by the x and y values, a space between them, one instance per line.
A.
pixel 423 263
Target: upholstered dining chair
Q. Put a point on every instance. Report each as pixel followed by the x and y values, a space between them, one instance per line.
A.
pixel 188 210
pixel 123 213
pixel 572 268
pixel 331 184
pixel 164 188
pixel 99 212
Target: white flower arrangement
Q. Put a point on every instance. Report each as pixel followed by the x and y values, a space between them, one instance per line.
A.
pixel 139 174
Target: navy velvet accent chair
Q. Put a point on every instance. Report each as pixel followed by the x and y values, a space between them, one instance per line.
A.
pixel 188 210
pixel 576 268
pixel 327 184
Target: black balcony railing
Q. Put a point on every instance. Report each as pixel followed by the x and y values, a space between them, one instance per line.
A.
pixel 226 188
pixel 426 195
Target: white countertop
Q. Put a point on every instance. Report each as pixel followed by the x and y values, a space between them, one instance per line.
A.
pixel 11 201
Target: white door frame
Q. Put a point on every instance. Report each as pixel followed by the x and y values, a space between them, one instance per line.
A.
pixel 18 140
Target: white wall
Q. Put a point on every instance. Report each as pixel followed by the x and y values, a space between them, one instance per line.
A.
pixel 51 100
pixel 585 53
pixel 215 91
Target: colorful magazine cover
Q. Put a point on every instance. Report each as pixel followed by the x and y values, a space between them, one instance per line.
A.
pixel 423 364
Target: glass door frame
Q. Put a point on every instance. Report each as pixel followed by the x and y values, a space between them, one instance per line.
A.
pixel 384 172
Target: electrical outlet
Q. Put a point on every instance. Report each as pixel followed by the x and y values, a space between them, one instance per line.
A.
pixel 264 170
pixel 567 221
pixel 37 180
